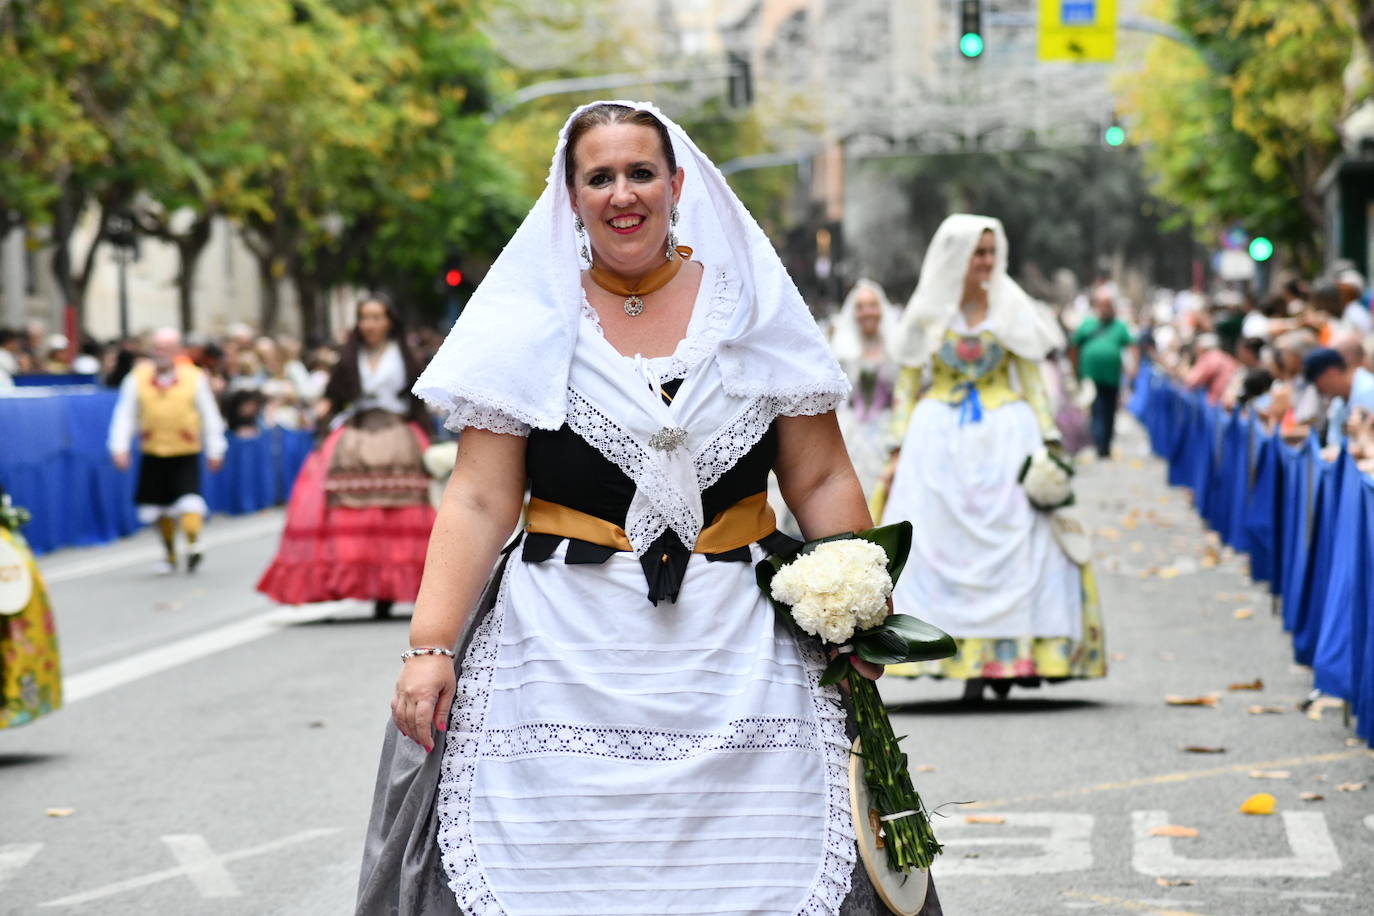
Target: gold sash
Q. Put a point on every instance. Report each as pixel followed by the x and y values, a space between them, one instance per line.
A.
pixel 749 520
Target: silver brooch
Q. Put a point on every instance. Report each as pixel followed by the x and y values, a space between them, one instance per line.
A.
pixel 668 438
pixel 634 306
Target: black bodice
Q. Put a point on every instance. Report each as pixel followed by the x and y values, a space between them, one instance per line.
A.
pixel 564 468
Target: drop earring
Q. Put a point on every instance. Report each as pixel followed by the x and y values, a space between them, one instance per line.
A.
pixel 581 229
pixel 672 233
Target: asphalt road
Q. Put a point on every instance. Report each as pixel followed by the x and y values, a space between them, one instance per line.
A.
pixel 217 753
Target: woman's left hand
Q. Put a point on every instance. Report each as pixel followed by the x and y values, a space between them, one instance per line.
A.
pixel 865 669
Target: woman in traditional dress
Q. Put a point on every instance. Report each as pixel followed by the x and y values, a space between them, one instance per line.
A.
pixel 985 566
pixel 863 333
pixel 359 517
pixel 30 664
pixel 627 728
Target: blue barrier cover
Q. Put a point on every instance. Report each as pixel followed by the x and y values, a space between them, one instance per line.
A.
pixel 1308 526
pixel 54 462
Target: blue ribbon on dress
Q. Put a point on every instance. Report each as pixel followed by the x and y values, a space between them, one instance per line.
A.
pixel 970 408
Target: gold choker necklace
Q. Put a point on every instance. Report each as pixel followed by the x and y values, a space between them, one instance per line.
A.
pixel 651 282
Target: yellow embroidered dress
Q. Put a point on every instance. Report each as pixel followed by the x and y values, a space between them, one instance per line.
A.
pixel 985 565
pixel 30 669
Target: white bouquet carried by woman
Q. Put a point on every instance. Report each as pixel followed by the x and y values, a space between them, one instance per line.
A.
pixel 1047 479
pixel 837 589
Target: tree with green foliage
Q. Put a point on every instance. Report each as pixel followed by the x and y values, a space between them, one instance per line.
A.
pixel 1239 128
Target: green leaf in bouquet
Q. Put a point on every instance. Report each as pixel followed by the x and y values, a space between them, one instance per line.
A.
pixel 880 646
pixel 836 671
pixel 903 638
pixel 895 540
pixel 764 572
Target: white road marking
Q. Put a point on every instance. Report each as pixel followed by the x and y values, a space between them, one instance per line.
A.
pixel 1067 847
pixel 168 874
pixel 201 866
pixel 13 857
pixel 1314 853
pixel 153 661
pixel 141 554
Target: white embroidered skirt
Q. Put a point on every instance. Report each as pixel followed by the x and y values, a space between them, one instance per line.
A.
pixel 605 756
pixel 983 562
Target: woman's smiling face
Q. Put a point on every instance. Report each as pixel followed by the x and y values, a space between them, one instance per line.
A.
pixel 624 192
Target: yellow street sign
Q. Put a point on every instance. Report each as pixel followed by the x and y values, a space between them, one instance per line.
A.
pixel 1078 30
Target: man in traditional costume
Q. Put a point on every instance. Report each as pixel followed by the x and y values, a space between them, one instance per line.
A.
pixel 167 401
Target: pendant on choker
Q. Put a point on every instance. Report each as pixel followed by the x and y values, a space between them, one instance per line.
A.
pixel 634 306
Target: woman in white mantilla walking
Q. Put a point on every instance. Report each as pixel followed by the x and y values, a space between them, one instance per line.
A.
pixel 986 566
pixel 619 723
pixel 862 337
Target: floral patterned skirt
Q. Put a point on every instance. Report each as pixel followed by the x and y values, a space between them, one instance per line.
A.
pixel 30 667
pixel 1052 658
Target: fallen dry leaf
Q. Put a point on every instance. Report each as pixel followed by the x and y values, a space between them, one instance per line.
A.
pixel 1110 534
pixel 1264 710
pixel 1320 705
pixel 1203 749
pixel 1137 547
pixel 925 768
pixel 1311 796
pixel 1118 656
pixel 1174 830
pixel 1256 684
pixel 1174 882
pixel 318 723
pixel 1168 572
pixel 1243 613
pixel 60 812
pixel 1263 803
pixel 1130 522
pixel 984 819
pixel 1166 656
pixel 1270 774
pixel 1350 787
pixel 1353 742
pixel 1174 700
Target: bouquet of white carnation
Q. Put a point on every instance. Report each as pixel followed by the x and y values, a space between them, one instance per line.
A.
pixel 837 589
pixel 1047 480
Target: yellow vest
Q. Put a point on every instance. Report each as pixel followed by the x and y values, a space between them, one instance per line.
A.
pixel 168 416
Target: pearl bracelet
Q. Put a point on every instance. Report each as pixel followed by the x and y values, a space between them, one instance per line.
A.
pixel 426 650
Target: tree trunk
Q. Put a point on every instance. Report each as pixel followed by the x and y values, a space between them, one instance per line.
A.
pixel 307 300
pixel 271 295
pixel 189 248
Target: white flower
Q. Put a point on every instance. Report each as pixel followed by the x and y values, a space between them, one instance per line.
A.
pixel 440 458
pixel 1047 482
pixel 837 589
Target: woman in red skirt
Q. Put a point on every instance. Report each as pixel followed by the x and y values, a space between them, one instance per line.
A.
pixel 358 522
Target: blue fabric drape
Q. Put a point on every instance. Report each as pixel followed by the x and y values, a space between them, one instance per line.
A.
pixel 1307 524
pixel 54 462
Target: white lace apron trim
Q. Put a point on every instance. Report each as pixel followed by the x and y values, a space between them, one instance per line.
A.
pixel 467 741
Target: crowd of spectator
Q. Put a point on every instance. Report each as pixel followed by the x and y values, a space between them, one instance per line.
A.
pixel 1299 358
pixel 260 381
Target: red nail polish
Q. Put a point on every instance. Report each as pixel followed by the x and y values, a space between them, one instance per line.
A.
pixel 443 726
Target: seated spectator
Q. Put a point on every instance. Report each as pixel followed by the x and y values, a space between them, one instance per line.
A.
pixel 1213 368
pixel 1355 315
pixel 1348 387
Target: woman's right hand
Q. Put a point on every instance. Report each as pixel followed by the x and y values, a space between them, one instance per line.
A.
pixel 424 694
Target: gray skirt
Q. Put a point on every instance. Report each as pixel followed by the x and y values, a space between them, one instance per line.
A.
pixel 402 872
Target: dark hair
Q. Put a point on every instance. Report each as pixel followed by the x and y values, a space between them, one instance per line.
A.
pixel 1255 384
pixel 1254 344
pixel 1317 362
pixel 346 384
pixel 598 115
pixel 1327 298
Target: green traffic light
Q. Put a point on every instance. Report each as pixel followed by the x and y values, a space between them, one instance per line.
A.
pixel 1261 249
pixel 971 44
pixel 1115 135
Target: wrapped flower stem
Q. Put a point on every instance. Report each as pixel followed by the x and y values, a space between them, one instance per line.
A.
pixel 908 839
pixel 837 590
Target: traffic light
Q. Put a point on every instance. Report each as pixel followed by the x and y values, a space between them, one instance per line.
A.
pixel 971 28
pixel 1261 249
pixel 453 278
pixel 1114 134
pixel 740 83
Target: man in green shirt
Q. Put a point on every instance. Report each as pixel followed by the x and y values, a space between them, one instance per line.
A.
pixel 1097 350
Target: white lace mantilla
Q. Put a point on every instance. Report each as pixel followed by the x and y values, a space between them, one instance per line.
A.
pixel 468 741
